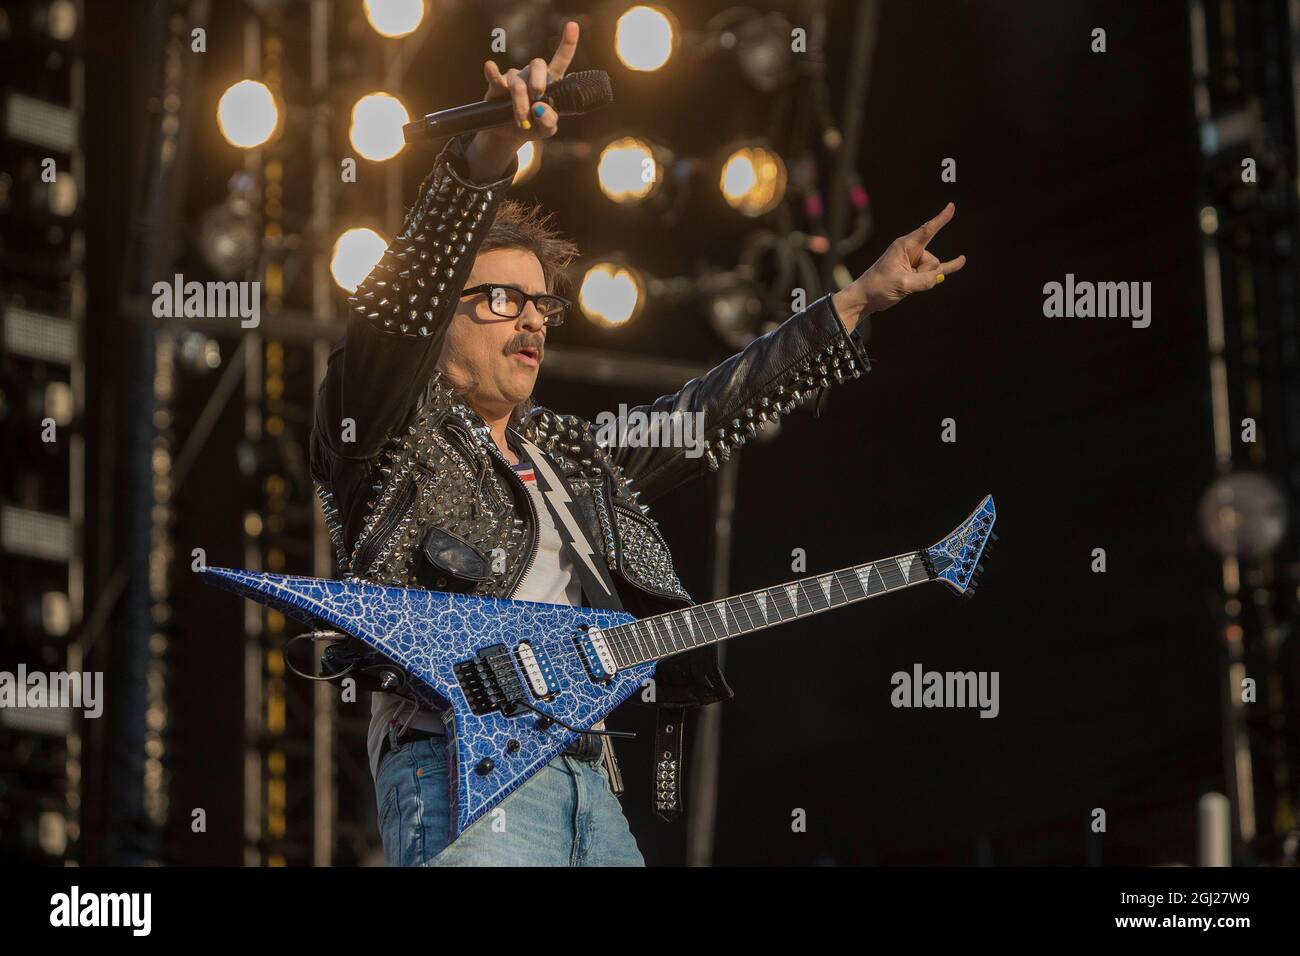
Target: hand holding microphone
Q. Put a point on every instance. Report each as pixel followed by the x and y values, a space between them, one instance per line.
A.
pixel 513 110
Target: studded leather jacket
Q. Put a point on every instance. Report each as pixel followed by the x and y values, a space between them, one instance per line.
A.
pixel 416 493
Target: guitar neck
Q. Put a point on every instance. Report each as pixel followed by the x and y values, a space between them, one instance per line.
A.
pixel 663 635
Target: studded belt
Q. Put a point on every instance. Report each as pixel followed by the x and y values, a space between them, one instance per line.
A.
pixel 588 748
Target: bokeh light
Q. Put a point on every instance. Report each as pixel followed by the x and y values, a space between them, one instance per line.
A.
pixel 394 18
pixel 611 294
pixel 627 170
pixel 247 114
pixel 753 180
pixel 644 38
pixel 376 131
pixel 355 254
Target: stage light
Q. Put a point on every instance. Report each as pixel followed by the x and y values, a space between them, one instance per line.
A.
pixel 530 160
pixel 644 38
pixel 355 254
pixel 229 234
pixel 762 45
pixel 1243 515
pixel 247 115
pixel 40 122
pixel 56 613
pixel 734 314
pixel 753 180
pixel 52 830
pixel 1209 220
pixel 63 195
pixel 36 534
pixel 377 121
pixel 200 353
pixel 38 335
pixel 394 18
pixel 627 170
pixel 61 19
pixel 611 294
pixel 59 403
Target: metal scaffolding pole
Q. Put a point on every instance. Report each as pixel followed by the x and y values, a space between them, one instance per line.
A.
pixel 1246 110
pixel 138 802
pixel 707 751
pixel 324 788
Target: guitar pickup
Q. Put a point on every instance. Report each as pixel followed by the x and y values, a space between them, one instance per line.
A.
pixel 596 654
pixel 543 680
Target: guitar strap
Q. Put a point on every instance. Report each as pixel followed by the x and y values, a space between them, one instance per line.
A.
pixel 668 763
pixel 599 591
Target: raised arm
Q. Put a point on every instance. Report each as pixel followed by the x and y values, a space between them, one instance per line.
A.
pixel 784 368
pixel 773 375
pixel 391 342
pixel 398 313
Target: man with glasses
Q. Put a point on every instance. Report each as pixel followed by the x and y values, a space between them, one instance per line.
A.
pixel 435 469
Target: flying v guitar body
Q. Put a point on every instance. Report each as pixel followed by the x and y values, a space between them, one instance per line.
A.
pixel 518 681
pixel 466 650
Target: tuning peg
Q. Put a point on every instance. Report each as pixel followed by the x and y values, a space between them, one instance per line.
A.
pixel 993 536
pixel 979 569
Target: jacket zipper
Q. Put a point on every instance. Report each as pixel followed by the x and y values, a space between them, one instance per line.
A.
pixel 469 443
pixel 456 429
pixel 532 511
pixel 381 532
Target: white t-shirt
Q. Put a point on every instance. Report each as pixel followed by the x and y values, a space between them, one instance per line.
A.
pixel 550 580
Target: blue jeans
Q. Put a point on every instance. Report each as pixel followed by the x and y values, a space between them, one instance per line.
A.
pixel 564 815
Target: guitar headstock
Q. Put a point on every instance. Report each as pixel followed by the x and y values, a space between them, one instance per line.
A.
pixel 956 559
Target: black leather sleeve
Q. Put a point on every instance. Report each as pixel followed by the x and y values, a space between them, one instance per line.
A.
pixel 398 313
pixel 395 328
pixel 774 374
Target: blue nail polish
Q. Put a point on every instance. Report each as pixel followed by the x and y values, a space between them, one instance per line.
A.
pixel 539 109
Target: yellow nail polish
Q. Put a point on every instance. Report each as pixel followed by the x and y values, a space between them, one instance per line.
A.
pixel 938 278
pixel 525 125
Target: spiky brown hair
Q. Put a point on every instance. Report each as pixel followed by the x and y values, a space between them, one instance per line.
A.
pixel 524 226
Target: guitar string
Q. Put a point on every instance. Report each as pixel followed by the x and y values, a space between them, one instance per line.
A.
pixel 748 602
pixel 566 652
pixel 632 645
pixel 624 638
pixel 627 640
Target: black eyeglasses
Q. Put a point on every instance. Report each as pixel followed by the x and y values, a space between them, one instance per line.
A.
pixel 508 302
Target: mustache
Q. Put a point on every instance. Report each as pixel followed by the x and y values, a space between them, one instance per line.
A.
pixel 525 340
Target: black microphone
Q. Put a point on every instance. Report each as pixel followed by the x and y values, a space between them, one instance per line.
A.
pixel 576 93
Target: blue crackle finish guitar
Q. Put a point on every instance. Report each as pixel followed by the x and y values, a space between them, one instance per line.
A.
pixel 495 667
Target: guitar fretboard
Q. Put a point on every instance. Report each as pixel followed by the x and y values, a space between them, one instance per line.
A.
pixel 654 638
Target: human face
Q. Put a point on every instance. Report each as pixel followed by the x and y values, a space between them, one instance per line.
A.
pixel 496 359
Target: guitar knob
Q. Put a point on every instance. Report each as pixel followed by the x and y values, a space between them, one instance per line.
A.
pixel 512 746
pixel 485 767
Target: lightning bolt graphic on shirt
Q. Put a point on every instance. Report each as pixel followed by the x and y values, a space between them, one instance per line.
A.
pixel 559 500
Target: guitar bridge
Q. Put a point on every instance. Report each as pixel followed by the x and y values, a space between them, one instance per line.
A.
pixel 490 682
